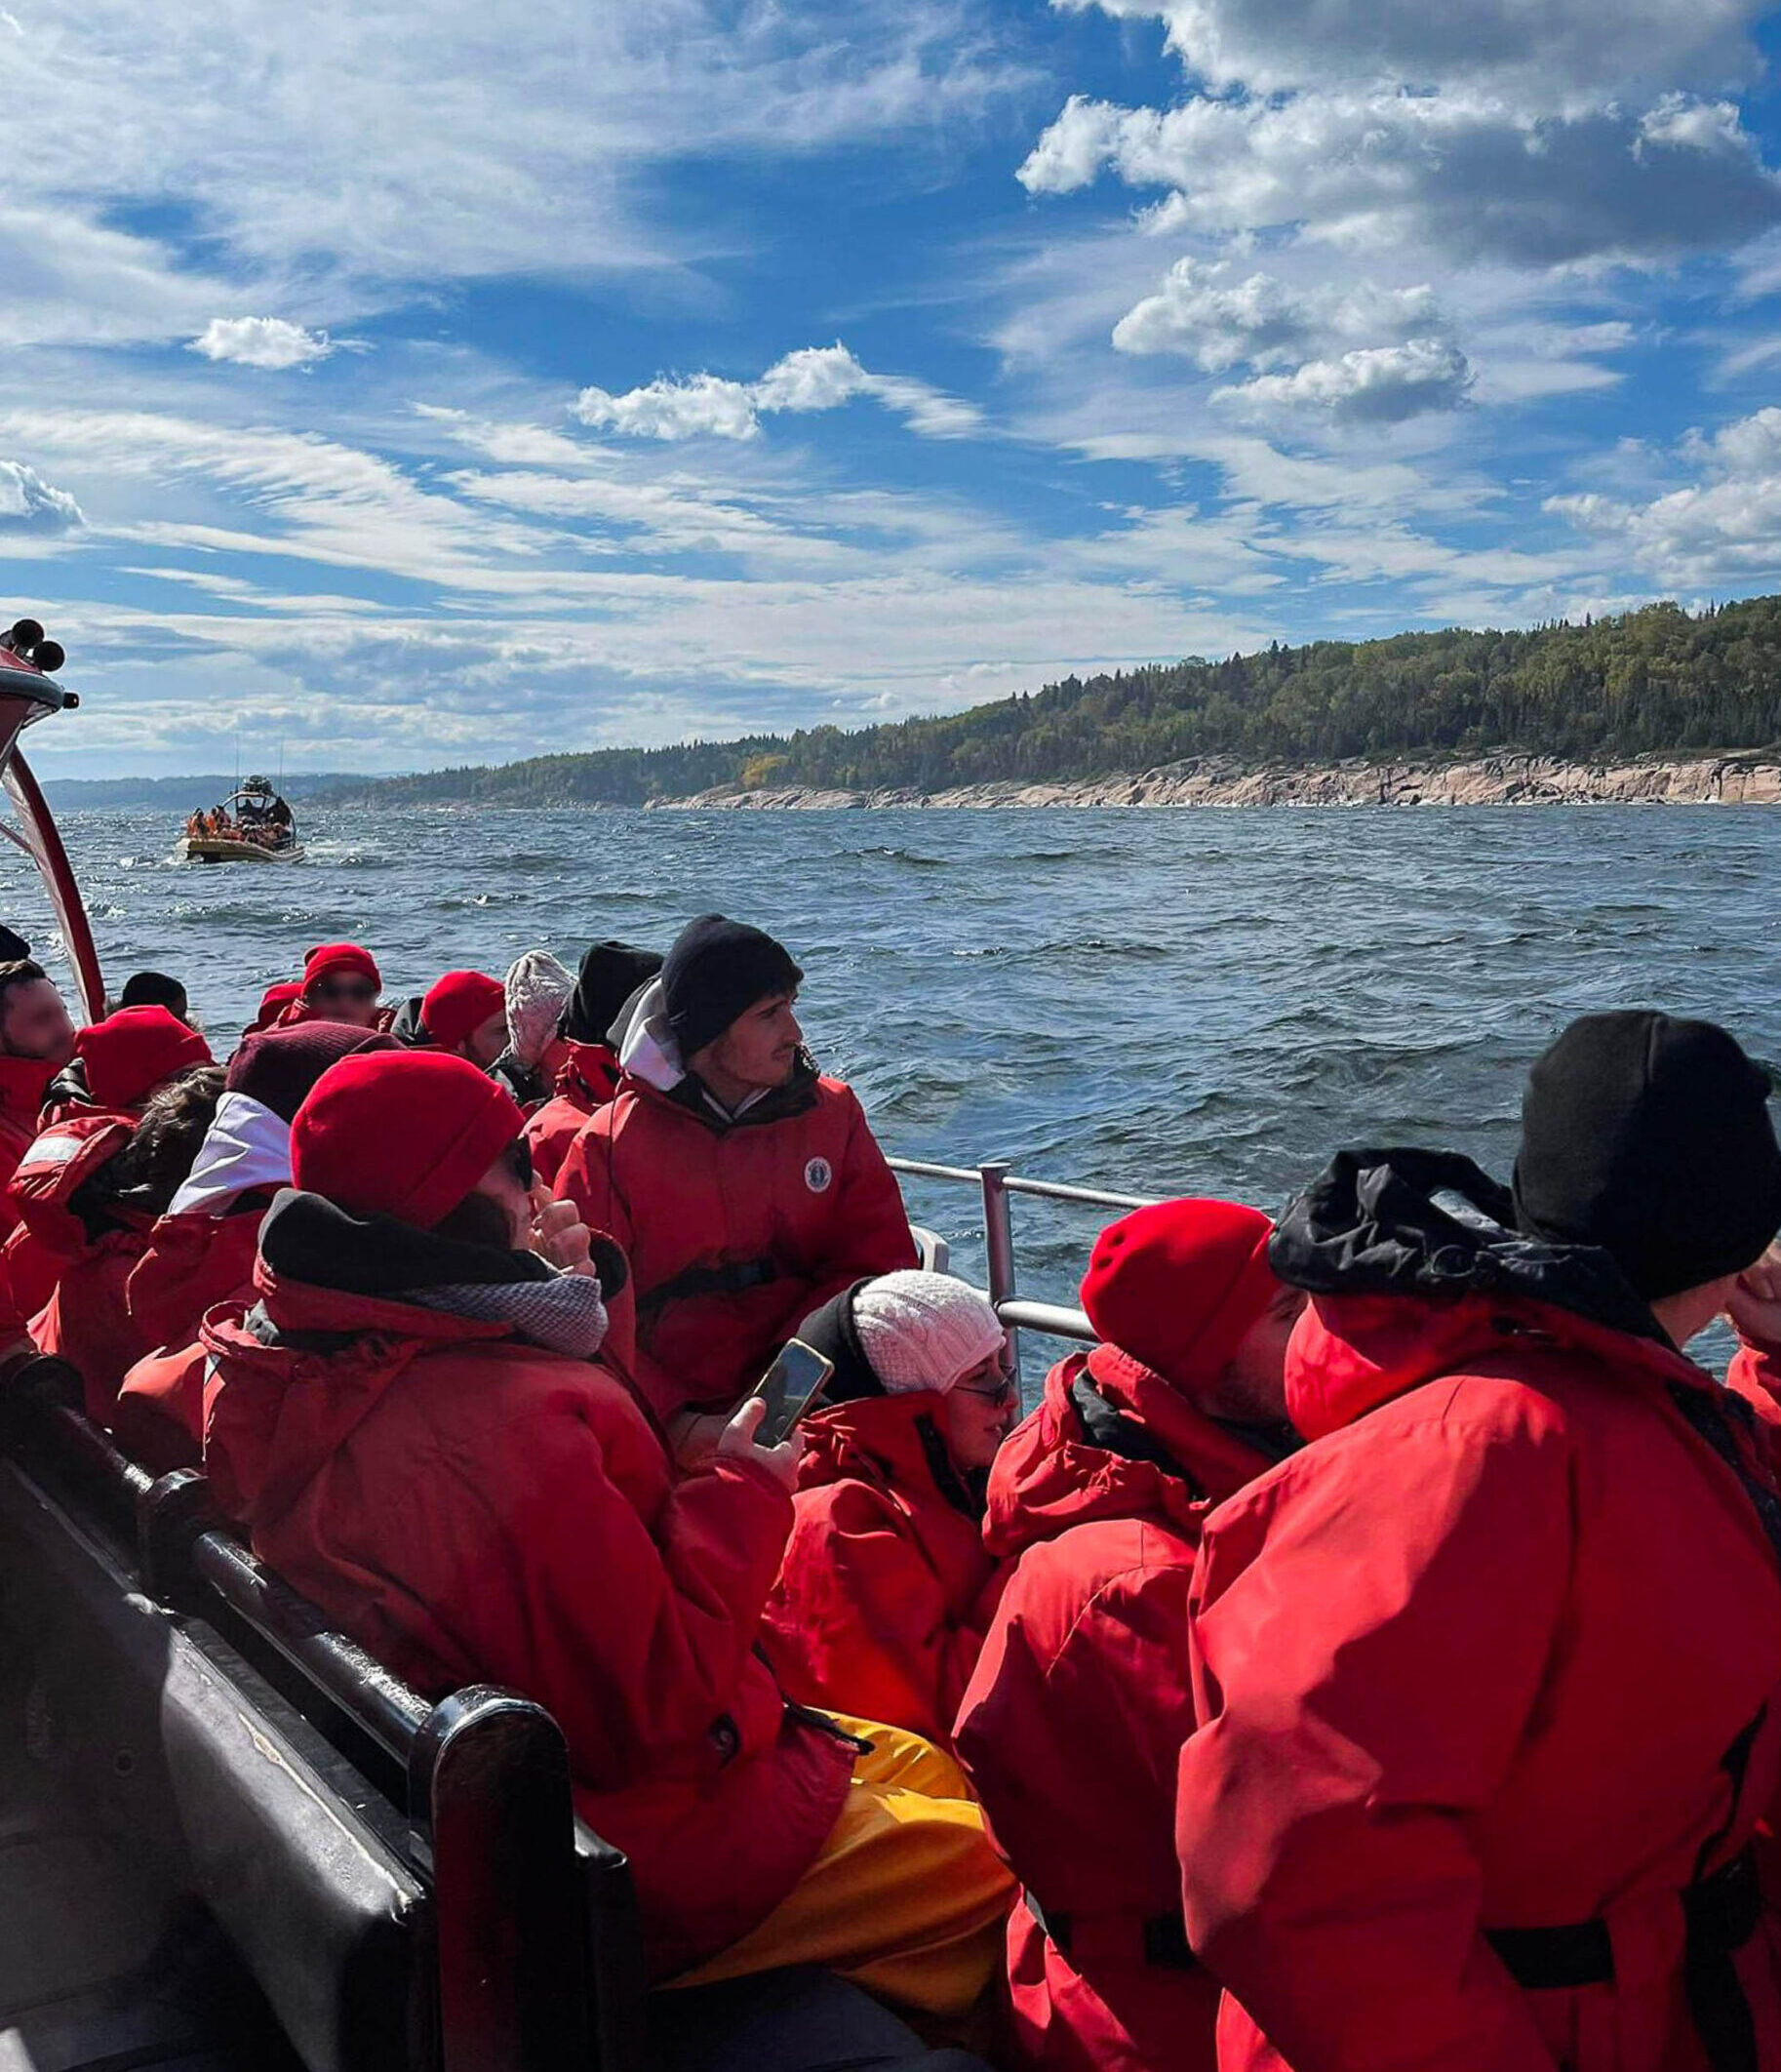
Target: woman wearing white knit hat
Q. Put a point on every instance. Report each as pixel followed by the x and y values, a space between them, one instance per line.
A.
pixel 885 1591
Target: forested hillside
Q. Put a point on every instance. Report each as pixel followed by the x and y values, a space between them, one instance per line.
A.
pixel 1655 680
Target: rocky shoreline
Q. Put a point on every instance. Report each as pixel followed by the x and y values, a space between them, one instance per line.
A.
pixel 1487 781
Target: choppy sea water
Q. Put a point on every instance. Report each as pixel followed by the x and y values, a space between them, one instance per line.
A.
pixel 1159 1001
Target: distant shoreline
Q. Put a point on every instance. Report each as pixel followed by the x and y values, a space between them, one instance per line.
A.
pixel 1485 780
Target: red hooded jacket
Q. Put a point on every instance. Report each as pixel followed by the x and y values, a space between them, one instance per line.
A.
pixel 1073 1724
pixel 1499 1654
pixel 470 1507
pixel 885 1590
pixel 196 1263
pixel 23 1084
pixel 84 1318
pixel 588 1080
pixel 735 1229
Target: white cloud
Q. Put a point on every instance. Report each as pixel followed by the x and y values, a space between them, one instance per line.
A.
pixel 1378 384
pixel 1203 313
pixel 427 141
pixel 1554 49
pixel 1457 173
pixel 29 505
pixel 1721 528
pixel 815 377
pixel 270 343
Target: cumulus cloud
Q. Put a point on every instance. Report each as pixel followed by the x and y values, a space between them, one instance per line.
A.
pixel 1723 527
pixel 1378 384
pixel 1459 174
pixel 1202 312
pixel 30 505
pixel 815 377
pixel 1555 49
pixel 270 343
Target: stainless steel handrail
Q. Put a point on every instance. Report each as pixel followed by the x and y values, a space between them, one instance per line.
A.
pixel 996 1184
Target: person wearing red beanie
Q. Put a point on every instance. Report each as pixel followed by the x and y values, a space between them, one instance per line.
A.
pixel 130 1052
pixel 202 1251
pixel 466 1014
pixel 1098 1500
pixel 419 1426
pixel 273 1004
pixel 340 983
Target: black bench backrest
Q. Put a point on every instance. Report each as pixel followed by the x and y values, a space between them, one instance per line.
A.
pixel 181 1745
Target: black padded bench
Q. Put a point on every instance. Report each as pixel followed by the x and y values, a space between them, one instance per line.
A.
pixel 362 1881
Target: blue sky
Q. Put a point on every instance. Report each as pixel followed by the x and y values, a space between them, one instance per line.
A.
pixel 451 381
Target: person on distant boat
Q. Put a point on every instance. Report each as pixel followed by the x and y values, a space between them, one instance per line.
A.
pixel 1095 1505
pixel 417 1426
pixel 588 1076
pixel 745 1188
pixel 36 1041
pixel 1491 1672
pixel 156 990
pixel 88 1191
pixel 200 1253
pixel 466 1015
pixel 885 1591
pixel 340 983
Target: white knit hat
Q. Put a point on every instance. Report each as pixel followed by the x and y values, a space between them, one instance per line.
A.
pixel 924 1330
pixel 536 987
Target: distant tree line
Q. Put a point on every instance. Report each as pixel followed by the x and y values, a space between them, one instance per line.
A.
pixel 1655 680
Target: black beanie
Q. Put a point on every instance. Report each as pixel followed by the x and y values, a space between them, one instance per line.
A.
pixel 716 971
pixel 1652 1138
pixel 610 972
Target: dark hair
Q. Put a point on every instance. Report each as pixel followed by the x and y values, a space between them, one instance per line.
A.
pixel 147 1171
pixel 23 971
pixel 154 990
pixel 479 1221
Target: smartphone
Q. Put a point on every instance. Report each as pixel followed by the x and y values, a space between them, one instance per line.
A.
pixel 789 1386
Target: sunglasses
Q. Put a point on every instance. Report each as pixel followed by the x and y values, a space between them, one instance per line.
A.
pixel 343 990
pixel 997 1393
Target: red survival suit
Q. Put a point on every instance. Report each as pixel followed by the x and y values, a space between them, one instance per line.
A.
pixel 471 1507
pixel 736 1228
pixel 1073 1724
pixel 85 1319
pixel 24 1081
pixel 588 1080
pixel 1490 1674
pixel 885 1590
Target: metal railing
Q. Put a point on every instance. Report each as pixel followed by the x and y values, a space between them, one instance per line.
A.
pixel 997 1185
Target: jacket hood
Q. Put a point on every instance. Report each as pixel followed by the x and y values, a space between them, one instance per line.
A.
pixel 245 1146
pixel 1112 1439
pixel 892 1442
pixel 330 1335
pixel 644 1043
pixel 1415 1268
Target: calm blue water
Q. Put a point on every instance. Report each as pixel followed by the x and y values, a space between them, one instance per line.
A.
pixel 1167 1001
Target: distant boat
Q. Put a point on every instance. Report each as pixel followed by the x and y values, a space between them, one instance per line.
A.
pixel 253 825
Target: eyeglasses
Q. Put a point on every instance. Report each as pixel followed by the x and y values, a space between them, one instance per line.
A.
pixel 999 1394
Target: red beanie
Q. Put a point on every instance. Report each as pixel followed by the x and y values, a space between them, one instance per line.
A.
pixel 273 1002
pixel 1177 1284
pixel 405 1133
pixel 129 1054
pixel 460 1004
pixel 341 957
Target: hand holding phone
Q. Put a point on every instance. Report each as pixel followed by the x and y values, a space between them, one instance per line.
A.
pixel 788 1388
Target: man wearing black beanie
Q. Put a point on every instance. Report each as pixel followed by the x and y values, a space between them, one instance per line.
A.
pixel 1491 1670
pixel 746 1186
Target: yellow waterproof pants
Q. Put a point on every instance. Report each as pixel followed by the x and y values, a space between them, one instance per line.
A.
pixel 906 1898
